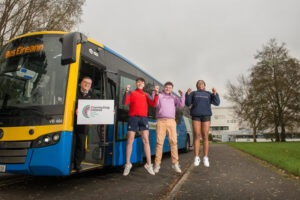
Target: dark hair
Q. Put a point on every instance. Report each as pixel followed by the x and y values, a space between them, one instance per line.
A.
pixel 199 82
pixel 168 83
pixel 140 79
pixel 86 77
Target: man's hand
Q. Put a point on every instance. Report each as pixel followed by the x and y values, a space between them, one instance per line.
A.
pixel 156 89
pixel 189 91
pixel 180 92
pixel 127 88
pixel 214 91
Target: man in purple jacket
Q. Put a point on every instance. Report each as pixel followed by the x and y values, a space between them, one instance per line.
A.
pixel 165 115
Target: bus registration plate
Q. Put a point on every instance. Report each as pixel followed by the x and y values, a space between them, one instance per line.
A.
pixel 2 168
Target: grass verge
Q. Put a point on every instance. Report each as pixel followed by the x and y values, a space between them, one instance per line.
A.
pixel 285 155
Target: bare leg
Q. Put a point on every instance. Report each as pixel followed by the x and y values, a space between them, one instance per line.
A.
pixel 204 133
pixel 130 139
pixel 197 134
pixel 145 137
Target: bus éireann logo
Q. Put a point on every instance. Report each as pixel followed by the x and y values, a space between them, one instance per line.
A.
pixel 86 111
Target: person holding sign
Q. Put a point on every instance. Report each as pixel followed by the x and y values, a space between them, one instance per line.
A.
pixel 138 109
pixel 80 131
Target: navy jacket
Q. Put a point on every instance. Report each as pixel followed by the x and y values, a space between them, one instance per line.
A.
pixel 201 101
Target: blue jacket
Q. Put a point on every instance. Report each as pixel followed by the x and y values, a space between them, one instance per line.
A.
pixel 201 101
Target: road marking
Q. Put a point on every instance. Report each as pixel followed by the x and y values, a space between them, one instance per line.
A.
pixel 178 185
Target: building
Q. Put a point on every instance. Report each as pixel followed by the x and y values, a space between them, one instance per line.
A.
pixel 224 123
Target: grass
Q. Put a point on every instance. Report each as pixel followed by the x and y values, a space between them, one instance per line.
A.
pixel 285 155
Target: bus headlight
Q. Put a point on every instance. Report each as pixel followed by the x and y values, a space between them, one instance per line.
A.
pixel 46 140
pixel 56 137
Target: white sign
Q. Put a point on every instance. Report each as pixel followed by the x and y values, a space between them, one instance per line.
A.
pixel 2 168
pixel 94 111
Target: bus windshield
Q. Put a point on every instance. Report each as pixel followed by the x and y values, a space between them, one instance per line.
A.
pixel 32 81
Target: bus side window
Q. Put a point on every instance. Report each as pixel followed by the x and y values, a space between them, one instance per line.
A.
pixel 122 115
pixel 151 110
pixel 123 83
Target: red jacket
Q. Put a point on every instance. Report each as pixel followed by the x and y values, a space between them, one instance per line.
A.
pixel 139 100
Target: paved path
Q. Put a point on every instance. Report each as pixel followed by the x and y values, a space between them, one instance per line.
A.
pixel 233 175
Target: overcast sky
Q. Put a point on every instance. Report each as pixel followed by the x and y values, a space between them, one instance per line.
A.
pixel 186 40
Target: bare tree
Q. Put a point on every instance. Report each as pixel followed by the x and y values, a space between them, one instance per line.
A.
pixel 24 16
pixel 248 105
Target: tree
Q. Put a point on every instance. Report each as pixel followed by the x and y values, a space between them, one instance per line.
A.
pixel 277 76
pixel 248 105
pixel 270 96
pixel 24 16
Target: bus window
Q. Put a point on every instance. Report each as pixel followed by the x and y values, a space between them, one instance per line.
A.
pixel 123 83
pixel 96 74
pixel 151 110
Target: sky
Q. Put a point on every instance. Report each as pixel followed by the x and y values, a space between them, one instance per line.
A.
pixel 187 40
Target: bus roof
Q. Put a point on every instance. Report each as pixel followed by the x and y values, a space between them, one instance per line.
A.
pixel 128 61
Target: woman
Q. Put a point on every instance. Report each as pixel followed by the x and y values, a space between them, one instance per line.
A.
pixel 201 101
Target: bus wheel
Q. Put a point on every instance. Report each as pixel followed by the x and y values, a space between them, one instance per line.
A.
pixel 187 145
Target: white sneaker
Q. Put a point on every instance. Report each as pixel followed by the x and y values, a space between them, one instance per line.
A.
pixel 127 169
pixel 205 161
pixel 197 161
pixel 149 168
pixel 156 168
pixel 176 167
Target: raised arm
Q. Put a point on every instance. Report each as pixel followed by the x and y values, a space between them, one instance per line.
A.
pixel 126 97
pixel 152 100
pixel 215 99
pixel 179 102
pixel 188 97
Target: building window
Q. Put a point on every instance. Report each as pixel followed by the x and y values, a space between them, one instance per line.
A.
pixel 219 128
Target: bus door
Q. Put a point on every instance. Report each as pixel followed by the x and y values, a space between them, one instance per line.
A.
pixel 94 151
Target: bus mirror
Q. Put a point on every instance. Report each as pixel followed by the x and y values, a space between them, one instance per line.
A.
pixel 69 43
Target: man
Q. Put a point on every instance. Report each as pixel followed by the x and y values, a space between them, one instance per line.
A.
pixel 165 115
pixel 138 109
pixel 80 131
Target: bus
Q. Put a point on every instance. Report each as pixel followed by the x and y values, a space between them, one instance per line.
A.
pixel 39 77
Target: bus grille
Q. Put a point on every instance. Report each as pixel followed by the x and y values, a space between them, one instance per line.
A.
pixel 13 152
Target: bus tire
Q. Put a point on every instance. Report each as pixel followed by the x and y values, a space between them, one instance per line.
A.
pixel 187 145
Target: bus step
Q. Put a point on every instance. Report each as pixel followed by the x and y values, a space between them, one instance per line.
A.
pixel 87 166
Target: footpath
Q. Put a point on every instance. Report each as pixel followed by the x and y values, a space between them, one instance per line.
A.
pixel 234 175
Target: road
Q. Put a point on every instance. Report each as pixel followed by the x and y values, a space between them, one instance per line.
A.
pixel 232 175
pixel 97 184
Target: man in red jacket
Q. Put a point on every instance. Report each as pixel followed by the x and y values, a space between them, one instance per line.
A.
pixel 138 109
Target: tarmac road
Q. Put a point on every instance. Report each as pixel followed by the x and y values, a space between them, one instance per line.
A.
pixel 97 184
pixel 232 175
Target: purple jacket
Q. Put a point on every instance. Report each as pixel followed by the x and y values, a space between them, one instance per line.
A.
pixel 166 105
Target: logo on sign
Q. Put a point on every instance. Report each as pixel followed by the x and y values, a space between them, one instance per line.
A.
pixel 86 111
